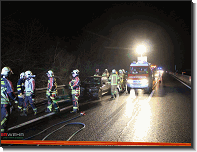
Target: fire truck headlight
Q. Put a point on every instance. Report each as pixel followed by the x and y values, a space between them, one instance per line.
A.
pixel 145 81
pixel 130 81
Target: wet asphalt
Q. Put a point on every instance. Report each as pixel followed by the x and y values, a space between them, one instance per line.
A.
pixel 165 115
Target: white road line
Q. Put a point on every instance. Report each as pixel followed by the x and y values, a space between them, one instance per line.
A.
pixel 36 119
pixel 182 82
pixel 47 115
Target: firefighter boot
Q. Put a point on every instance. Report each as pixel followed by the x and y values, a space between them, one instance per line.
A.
pixel 35 111
pixel 57 110
pixel 48 110
pixel 75 110
pixel 20 109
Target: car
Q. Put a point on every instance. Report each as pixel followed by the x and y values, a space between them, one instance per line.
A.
pixel 95 87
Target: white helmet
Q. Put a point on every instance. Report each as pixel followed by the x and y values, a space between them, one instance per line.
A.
pixel 22 75
pixel 28 74
pixel 113 71
pixel 76 72
pixel 5 71
pixel 120 71
pixel 50 73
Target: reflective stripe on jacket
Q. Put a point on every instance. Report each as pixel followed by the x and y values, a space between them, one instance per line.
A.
pixel 29 86
pixel 114 78
pixel 20 86
pixel 52 86
pixel 6 88
pixel 74 83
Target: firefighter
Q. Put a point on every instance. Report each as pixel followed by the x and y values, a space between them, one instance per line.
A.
pixel 121 80
pixel 6 105
pixel 105 73
pixel 75 87
pixel 20 89
pixel 29 93
pixel 52 92
pixel 114 79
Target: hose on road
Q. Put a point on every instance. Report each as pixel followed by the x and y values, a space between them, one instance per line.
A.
pixel 73 123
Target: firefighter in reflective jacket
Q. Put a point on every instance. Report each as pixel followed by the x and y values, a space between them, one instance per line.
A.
pixel 29 93
pixel 20 89
pixel 52 92
pixel 74 84
pixel 6 89
pixel 114 79
pixel 121 80
pixel 105 73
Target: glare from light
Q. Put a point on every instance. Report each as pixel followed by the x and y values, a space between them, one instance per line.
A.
pixel 130 105
pixel 144 81
pixel 141 49
pixel 130 81
pixel 142 123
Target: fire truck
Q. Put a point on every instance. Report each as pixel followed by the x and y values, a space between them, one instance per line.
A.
pixel 140 76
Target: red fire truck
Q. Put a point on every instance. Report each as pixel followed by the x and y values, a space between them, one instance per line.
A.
pixel 140 76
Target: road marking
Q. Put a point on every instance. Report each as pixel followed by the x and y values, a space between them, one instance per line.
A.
pixel 36 119
pixel 47 115
pixel 181 82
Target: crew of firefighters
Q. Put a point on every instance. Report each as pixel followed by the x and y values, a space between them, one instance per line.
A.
pixel 26 92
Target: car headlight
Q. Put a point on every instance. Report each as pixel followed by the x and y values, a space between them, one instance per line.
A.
pixel 130 81
pixel 144 81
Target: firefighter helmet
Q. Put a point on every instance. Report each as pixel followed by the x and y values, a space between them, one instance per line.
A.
pixel 5 71
pixel 113 71
pixel 76 72
pixel 28 74
pixel 22 75
pixel 50 73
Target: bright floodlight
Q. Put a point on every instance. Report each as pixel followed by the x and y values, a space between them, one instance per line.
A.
pixel 141 49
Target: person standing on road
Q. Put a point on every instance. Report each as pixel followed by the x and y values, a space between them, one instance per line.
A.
pixel 105 73
pixel 6 89
pixel 52 92
pixel 114 79
pixel 121 80
pixel 29 93
pixel 75 87
pixel 20 89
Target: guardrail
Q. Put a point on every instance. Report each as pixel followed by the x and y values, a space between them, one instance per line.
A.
pixel 185 78
pixel 40 93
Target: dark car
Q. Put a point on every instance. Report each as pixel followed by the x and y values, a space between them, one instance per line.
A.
pixel 95 87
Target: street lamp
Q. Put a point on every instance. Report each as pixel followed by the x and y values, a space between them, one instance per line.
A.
pixel 141 49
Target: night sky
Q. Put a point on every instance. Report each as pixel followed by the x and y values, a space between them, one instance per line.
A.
pixel 110 31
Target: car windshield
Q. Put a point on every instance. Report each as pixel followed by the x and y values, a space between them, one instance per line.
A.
pixel 139 70
pixel 92 80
